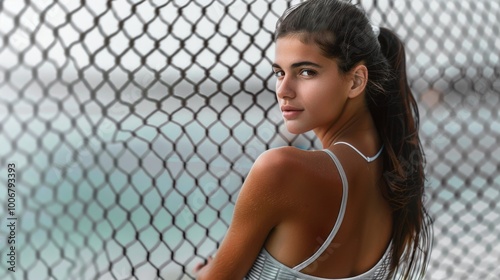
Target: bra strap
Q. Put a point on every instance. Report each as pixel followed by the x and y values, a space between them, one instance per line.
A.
pixel 368 159
pixel 340 217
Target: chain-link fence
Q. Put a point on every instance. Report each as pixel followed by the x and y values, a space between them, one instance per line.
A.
pixel 129 127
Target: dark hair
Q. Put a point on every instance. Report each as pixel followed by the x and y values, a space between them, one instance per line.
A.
pixel 344 33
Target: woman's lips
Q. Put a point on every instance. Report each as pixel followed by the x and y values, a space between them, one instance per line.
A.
pixel 290 112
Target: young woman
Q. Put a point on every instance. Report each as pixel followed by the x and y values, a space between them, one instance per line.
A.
pixel 353 210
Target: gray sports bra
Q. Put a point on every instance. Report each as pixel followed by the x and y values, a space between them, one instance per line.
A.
pixel 266 267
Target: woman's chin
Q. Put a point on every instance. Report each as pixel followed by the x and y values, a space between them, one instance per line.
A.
pixel 295 130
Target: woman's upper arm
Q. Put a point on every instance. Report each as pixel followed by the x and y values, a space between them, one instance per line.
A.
pixel 259 208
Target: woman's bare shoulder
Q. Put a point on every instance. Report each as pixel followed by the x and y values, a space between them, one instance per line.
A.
pixel 275 167
pixel 284 159
pixel 291 166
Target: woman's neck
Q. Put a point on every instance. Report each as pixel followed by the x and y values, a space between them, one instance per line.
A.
pixel 358 126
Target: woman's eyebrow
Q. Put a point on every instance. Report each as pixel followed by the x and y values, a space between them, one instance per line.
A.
pixel 299 64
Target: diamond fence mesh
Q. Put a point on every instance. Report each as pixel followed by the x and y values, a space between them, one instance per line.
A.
pixel 129 127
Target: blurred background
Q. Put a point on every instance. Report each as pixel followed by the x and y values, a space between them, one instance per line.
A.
pixel 132 125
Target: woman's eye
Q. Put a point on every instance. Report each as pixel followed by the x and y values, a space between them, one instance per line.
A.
pixel 278 74
pixel 307 72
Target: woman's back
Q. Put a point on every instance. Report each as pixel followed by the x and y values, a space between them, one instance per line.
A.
pixel 314 193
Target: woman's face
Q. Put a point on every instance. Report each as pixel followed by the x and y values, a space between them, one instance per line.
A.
pixel 309 88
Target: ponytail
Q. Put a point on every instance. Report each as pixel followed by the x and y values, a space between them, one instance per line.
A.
pixel 396 117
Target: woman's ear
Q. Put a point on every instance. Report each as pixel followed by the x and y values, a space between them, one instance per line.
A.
pixel 359 80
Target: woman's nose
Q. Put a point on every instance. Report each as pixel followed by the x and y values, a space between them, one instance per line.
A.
pixel 285 88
